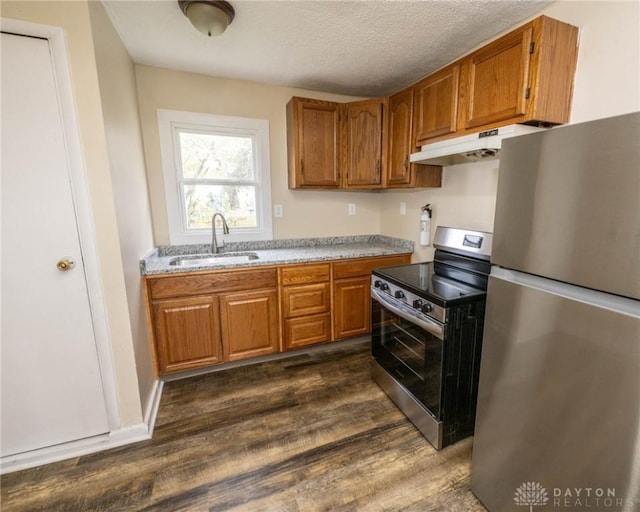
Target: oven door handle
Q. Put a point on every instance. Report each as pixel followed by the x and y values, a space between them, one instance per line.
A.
pixel 431 327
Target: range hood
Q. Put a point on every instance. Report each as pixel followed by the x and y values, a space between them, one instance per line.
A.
pixel 470 148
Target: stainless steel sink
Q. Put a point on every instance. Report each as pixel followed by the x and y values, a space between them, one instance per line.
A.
pixel 199 260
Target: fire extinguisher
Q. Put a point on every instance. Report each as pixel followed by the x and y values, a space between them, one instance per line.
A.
pixel 425 225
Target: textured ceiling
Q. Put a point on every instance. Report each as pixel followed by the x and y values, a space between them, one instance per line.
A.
pixel 363 48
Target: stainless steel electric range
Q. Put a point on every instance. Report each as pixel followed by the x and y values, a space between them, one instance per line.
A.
pixel 427 321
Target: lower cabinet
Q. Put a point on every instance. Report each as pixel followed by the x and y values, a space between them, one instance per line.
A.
pixel 306 304
pixel 187 333
pixel 203 319
pixel 207 318
pixel 352 307
pixel 352 293
pixel 249 324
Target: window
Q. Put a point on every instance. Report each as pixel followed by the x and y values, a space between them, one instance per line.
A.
pixel 215 164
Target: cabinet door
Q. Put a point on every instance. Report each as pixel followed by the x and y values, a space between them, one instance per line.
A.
pixel 399 140
pixel 400 173
pixel 307 330
pixel 187 333
pixel 436 105
pixel 497 78
pixel 364 128
pixel 249 324
pixel 309 299
pixel 352 307
pixel 312 137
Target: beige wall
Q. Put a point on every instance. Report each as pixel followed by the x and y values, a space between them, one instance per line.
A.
pixel 607 83
pixel 116 76
pixel 306 213
pixel 73 17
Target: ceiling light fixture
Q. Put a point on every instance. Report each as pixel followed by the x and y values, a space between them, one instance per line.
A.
pixel 211 17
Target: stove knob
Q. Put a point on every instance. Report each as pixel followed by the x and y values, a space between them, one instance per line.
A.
pixel 426 308
pixel 377 283
pixel 417 303
pixel 384 287
pixel 399 294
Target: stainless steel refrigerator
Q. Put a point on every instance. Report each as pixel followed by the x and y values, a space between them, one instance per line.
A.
pixel 558 418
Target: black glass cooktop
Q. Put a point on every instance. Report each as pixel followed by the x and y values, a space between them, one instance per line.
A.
pixel 435 281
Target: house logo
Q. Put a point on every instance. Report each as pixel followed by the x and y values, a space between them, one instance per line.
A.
pixel 531 494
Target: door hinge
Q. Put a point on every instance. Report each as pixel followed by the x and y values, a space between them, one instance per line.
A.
pixel 532 46
pixel 527 93
pixel 301 166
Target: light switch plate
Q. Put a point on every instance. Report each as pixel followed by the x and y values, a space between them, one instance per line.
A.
pixel 403 208
pixel 277 210
pixel 352 208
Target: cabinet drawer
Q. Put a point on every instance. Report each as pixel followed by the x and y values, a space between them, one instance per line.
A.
pixel 364 266
pixel 214 282
pixel 304 274
pixel 299 332
pixel 309 299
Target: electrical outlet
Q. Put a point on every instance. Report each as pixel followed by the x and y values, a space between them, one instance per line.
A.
pixel 352 208
pixel 403 208
pixel 277 210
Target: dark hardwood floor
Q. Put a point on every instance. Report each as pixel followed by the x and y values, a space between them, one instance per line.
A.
pixel 310 433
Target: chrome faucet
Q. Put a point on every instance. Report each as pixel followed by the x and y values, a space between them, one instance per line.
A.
pixel 225 231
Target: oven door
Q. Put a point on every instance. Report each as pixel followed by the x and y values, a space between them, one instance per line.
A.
pixel 409 348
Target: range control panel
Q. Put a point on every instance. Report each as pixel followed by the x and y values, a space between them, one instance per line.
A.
pixel 419 304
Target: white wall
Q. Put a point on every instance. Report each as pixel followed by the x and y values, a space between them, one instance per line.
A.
pixel 607 83
pixel 307 213
pixel 116 76
pixel 73 17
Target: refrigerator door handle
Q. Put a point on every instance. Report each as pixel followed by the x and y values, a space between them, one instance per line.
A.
pixel 616 303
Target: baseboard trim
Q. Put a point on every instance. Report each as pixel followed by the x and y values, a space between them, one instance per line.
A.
pixel 153 405
pixel 73 449
pixel 142 431
pixel 128 435
pixel 321 347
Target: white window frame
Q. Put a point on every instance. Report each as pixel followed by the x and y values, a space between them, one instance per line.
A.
pixel 169 122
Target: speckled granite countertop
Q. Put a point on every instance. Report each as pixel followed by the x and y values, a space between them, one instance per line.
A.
pixel 277 252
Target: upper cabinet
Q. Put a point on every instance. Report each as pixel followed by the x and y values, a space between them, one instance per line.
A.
pixel 313 131
pixel 523 77
pixel 497 80
pixel 436 105
pixel 364 128
pixel 399 138
pixel 400 173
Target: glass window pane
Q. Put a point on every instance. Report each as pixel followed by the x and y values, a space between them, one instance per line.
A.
pixel 206 155
pixel 236 203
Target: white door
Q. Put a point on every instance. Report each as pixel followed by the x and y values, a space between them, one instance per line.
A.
pixel 51 387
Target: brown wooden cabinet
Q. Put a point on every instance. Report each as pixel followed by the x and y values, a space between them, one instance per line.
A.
pixel 525 76
pixel 201 319
pixel 306 304
pixel 400 172
pixel 364 129
pixel 313 135
pixel 187 333
pixel 436 105
pixel 352 293
pixel 249 322
pixel 352 298
pixel 399 139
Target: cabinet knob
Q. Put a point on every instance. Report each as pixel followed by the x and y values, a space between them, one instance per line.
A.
pixel 65 264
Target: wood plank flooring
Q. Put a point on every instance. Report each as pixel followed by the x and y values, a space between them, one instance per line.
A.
pixel 310 433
